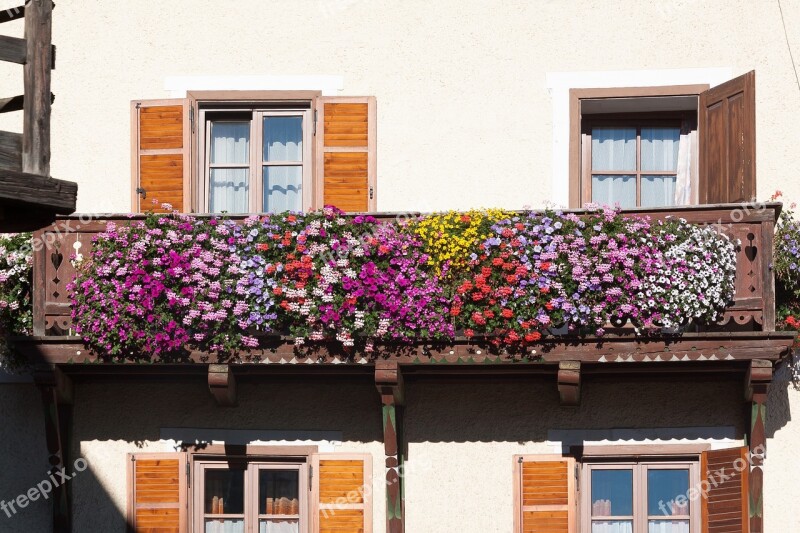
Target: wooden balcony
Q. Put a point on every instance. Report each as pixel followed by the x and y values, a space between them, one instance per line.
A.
pixel 746 331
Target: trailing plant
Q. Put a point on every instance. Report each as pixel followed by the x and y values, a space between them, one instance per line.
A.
pixel 16 314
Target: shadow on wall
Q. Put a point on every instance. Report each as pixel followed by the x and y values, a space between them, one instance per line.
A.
pixel 784 383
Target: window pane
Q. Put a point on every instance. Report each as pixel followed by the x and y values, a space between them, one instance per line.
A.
pixel 612 493
pixel 283 138
pixel 217 525
pixel 229 190
pixel 613 148
pixel 663 487
pixel 278 492
pixel 230 143
pixel 278 526
pixel 617 526
pixel 612 190
pixel 660 148
pixel 668 526
pixel 283 188
pixel 224 491
pixel 658 190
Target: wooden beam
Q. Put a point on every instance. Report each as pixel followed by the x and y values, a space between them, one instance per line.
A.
pixel 758 379
pixel 222 384
pixel 12 13
pixel 25 188
pixel 13 50
pixel 10 151
pixel 56 394
pixel 569 382
pixel 37 74
pixel 389 382
pixel 660 353
pixel 17 103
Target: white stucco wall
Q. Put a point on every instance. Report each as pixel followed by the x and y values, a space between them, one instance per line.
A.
pixel 465 115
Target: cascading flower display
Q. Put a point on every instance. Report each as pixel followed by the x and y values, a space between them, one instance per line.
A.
pixel 159 286
pixel 16 314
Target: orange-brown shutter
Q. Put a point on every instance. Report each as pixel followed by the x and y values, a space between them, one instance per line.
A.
pixel 161 157
pixel 157 493
pixel 725 507
pixel 544 493
pixel 727 130
pixel 346 131
pixel 342 490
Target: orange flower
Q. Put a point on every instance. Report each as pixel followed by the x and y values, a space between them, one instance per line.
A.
pixel 533 336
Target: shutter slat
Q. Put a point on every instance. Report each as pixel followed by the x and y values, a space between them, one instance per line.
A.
pixel 161 154
pixel 346 143
pixel 157 499
pixel 724 506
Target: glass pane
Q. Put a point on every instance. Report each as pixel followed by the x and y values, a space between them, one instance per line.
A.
pixel 613 148
pixel 658 190
pixel 218 525
pixel 279 526
pixel 612 493
pixel 230 142
pixel 612 190
pixel 279 492
pixel 660 148
pixel 617 526
pixel 283 188
pixel 224 491
pixel 283 138
pixel 663 487
pixel 668 526
pixel 228 190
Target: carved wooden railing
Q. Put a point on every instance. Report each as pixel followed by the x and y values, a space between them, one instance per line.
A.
pixel 753 308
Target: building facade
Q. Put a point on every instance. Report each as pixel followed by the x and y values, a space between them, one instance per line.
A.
pixel 405 108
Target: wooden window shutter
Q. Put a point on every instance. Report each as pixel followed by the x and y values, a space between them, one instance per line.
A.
pixel 727 130
pixel 342 490
pixel 157 493
pixel 725 507
pixel 161 156
pixel 346 135
pixel 544 494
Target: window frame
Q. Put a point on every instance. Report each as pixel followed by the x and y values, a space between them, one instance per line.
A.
pixel 639 466
pixel 253 464
pixel 576 192
pixel 639 121
pixel 203 102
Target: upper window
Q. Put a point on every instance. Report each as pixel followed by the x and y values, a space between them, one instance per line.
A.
pixel 255 152
pixel 662 146
pixel 645 162
pixel 257 161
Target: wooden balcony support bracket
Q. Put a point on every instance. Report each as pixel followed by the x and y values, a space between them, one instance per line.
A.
pixel 57 392
pixel 757 381
pixel 569 382
pixel 222 384
pixel 389 381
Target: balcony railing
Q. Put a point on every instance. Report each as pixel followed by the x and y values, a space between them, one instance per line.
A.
pixel 753 308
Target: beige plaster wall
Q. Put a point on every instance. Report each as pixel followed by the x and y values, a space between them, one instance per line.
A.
pixel 465 118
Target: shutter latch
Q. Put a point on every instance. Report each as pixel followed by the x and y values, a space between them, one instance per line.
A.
pixel 140 191
pixel 188 475
pixel 310 476
pixel 315 122
pixel 371 193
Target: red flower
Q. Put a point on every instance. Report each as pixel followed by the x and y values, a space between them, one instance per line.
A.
pixel 546 266
pixel 533 336
pixel 486 272
pixel 291 218
pixel 478 318
pixel 488 313
pixel 469 333
pixel 262 246
pixel 549 305
pixel 497 261
pixel 455 311
pixel 507 313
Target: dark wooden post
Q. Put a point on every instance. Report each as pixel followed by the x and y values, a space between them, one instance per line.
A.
pixel 389 381
pixel 56 391
pixel 36 112
pixel 759 376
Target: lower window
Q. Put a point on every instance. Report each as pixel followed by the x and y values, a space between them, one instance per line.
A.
pixel 634 497
pixel 251 496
